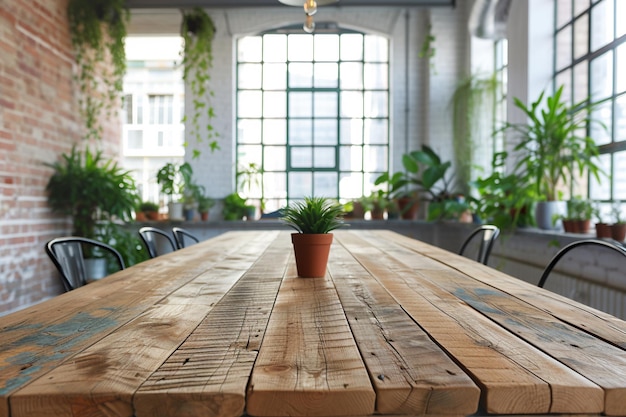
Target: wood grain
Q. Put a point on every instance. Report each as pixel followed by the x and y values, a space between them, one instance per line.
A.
pixel 410 372
pixel 309 364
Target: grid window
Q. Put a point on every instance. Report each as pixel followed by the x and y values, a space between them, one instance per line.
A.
pixel 590 61
pixel 313 113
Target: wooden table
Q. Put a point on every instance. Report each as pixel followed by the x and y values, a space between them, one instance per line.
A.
pixel 225 328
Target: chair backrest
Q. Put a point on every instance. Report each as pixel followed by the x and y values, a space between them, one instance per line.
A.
pixel 157 241
pixel 67 255
pixel 182 237
pixel 616 247
pixel 487 234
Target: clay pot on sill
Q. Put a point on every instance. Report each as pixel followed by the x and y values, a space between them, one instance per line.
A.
pixel 618 231
pixel 603 230
pixel 311 251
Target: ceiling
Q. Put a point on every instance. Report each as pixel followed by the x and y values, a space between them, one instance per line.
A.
pixel 140 4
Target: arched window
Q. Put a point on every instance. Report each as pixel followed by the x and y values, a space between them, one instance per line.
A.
pixel 312 114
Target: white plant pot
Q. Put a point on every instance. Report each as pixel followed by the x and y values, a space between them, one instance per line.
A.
pixel 175 211
pixel 548 213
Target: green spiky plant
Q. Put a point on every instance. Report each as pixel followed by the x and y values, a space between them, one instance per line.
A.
pixel 314 215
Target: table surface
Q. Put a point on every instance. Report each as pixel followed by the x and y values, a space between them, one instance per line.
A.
pixel 226 328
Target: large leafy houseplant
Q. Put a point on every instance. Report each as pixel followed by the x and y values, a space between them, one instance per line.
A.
pixel 553 144
pixel 98 29
pixel 91 188
pixel 313 219
pixel 198 31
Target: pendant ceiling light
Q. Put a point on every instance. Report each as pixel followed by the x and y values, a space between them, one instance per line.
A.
pixel 310 8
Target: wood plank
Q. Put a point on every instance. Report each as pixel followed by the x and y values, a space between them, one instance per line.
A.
pixel 309 364
pixel 120 303
pixel 581 350
pixel 411 374
pixel 208 374
pixel 516 378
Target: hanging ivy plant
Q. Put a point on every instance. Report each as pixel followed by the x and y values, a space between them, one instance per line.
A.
pixel 98 29
pixel 198 32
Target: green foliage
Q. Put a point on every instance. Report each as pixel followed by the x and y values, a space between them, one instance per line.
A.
pixel 235 207
pixel 127 244
pixel 204 203
pixel 98 29
pixel 314 215
pixel 554 143
pixel 579 209
pixel 174 179
pixel 505 200
pixel 148 206
pixel 88 187
pixel 427 50
pixel 198 32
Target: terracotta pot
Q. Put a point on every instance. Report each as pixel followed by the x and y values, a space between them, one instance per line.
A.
pixel 140 216
pixel 408 208
pixel 618 231
pixel 583 225
pixel 152 215
pixel 570 226
pixel 311 251
pixel 204 216
pixel 603 230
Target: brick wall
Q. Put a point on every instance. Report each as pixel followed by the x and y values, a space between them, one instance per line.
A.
pixel 38 121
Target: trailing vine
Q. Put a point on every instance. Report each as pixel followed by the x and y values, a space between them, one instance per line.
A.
pixel 427 49
pixel 98 29
pixel 198 32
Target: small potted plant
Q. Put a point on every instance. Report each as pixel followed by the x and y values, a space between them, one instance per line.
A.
pixel 204 205
pixel 149 209
pixel 174 179
pixel 313 219
pixel 618 228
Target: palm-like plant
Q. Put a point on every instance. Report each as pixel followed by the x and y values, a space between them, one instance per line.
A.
pixel 314 215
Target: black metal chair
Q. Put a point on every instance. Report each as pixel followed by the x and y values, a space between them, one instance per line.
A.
pixel 182 237
pixel 488 235
pixel 616 247
pixel 157 241
pixel 67 255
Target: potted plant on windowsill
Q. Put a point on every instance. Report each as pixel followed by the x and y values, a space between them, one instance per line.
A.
pixel 174 179
pixel 552 150
pixel 618 228
pixel 313 219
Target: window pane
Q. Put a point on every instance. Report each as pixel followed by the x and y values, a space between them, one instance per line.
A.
pixel 602 24
pixel 600 130
pixel 325 76
pixel 351 158
pixel 601 190
pixel 275 158
pixel 621 22
pixel 602 76
pixel 249 76
pixel 274 77
pixel 376 104
pixel 274 48
pixel 300 104
pixel 249 49
pixel 376 76
pixel 564 48
pixel 324 157
pixel 135 139
pixel 581 81
pixel 300 75
pixel 350 185
pixel 302 157
pixel 249 130
pixel 581 36
pixel 351 104
pixel 275 131
pixel 351 47
pixel 300 132
pixel 274 104
pixel 300 47
pixel 325 131
pixel 325 104
pixel 300 184
pixel 376 48
pixel 620 119
pixel 620 86
pixel 351 75
pixel 619 176
pixel 249 104
pixel 326 48
pixel 325 184
pixel 563 12
pixel 376 131
pixel 580 6
pixel 351 131
pixel 375 159
pixel 275 184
